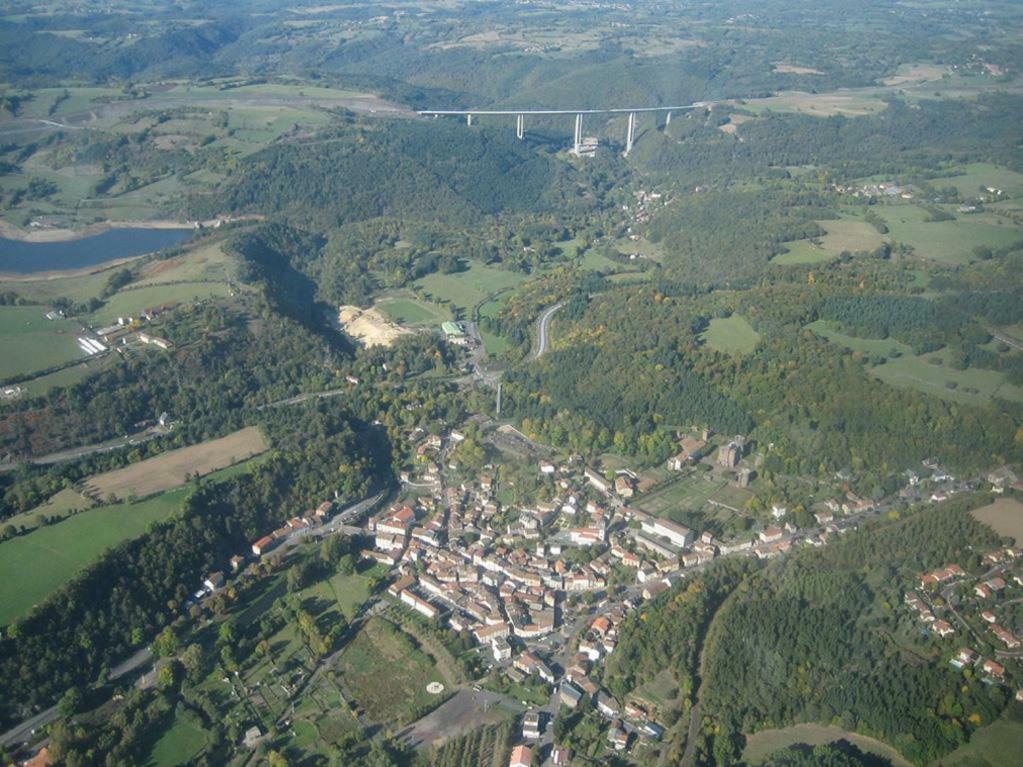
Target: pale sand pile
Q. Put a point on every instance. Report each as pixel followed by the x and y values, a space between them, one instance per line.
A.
pixel 369 326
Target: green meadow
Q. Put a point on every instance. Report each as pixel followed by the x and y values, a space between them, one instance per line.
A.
pixel 467 288
pixel 34 565
pixel 949 242
pixel 30 342
pixel 731 335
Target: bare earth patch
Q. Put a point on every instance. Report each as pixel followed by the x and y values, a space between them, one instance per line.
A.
pixel 369 326
pixel 791 69
pixel 170 469
pixel 1004 516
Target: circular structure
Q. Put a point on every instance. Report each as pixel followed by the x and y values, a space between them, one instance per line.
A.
pixel 435 688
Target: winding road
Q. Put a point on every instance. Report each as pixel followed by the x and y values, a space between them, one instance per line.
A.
pixel 543 328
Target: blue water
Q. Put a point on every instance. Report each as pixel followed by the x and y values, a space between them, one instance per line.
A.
pixel 20 257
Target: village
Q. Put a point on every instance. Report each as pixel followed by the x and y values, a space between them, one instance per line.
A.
pixel 969 609
pixel 544 587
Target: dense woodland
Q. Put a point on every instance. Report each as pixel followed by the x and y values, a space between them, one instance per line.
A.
pixel 667 638
pixel 629 368
pixel 410 170
pixel 813 638
pixel 818 643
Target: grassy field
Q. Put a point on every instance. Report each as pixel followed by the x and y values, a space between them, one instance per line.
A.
pixel 411 311
pixel 67 376
pixel 493 343
pixel 77 287
pixel 849 103
pixel 345 592
pixel 996 744
pixel 387 674
pixel 872 346
pixel 34 565
pixel 67 501
pixel 466 289
pixel 732 335
pixel 178 745
pixel 30 342
pixel 983 174
pixel 207 262
pixel 733 497
pixel 971 386
pixel 762 744
pixel 949 242
pixel 660 691
pixel 127 303
pixel 171 469
pixel 842 234
pixel 690 492
pixel 1004 516
pixel 598 262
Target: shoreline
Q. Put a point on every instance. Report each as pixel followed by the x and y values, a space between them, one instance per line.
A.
pixel 57 274
pixel 10 232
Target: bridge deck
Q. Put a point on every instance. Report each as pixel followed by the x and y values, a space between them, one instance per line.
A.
pixel 509 112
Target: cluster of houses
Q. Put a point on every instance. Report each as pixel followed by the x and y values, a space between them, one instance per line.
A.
pixel 874 189
pixel 126 329
pixel 293 528
pixel 980 595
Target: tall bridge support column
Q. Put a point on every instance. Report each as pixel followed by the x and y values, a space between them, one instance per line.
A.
pixel 630 133
pixel 667 120
pixel 578 136
pixel 468 119
pixel 520 126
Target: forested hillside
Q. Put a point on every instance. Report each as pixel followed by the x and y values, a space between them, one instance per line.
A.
pixel 812 638
pixel 118 604
pixel 411 170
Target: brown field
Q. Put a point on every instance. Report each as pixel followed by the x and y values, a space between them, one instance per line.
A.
pixel 791 69
pixel 170 469
pixel 734 122
pixel 370 326
pixel 1004 516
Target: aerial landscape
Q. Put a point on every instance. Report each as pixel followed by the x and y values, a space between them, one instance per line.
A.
pixel 511 383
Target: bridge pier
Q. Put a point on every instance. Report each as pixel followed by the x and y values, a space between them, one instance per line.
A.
pixel 468 119
pixel 520 126
pixel 577 139
pixel 630 133
pixel 667 120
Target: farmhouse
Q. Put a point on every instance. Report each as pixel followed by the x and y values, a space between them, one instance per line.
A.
pixel 263 545
pixel 521 756
pixel 771 534
pixel 993 669
pixel 965 657
pixel 1010 640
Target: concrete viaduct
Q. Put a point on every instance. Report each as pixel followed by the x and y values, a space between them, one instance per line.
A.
pixel 520 117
